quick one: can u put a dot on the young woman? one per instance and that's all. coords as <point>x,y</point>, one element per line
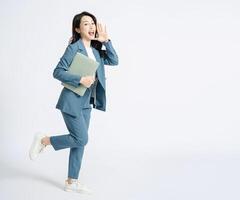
<point>88,36</point>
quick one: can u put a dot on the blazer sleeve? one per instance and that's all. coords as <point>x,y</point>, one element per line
<point>110,56</point>
<point>61,71</point>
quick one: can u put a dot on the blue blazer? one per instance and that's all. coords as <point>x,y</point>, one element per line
<point>70,102</point>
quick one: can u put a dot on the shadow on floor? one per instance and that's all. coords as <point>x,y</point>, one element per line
<point>13,172</point>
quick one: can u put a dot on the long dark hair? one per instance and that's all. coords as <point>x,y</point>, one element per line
<point>76,24</point>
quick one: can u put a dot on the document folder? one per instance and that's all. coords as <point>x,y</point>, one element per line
<point>83,66</point>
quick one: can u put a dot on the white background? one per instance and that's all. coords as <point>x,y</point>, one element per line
<point>171,130</point>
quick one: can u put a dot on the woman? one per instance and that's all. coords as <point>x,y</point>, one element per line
<point>88,36</point>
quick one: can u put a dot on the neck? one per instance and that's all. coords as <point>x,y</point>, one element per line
<point>87,43</point>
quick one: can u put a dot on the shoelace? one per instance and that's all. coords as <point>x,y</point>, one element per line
<point>78,183</point>
<point>42,148</point>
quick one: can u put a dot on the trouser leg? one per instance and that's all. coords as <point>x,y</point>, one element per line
<point>76,153</point>
<point>75,140</point>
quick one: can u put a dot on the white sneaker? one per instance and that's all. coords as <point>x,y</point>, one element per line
<point>76,186</point>
<point>36,147</point>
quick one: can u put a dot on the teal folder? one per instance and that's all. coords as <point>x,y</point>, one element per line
<point>83,66</point>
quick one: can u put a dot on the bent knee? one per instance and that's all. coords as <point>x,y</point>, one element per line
<point>81,141</point>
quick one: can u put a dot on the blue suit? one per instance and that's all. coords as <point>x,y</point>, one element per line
<point>70,102</point>
<point>76,109</point>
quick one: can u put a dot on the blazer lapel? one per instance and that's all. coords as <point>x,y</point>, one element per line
<point>96,54</point>
<point>82,48</point>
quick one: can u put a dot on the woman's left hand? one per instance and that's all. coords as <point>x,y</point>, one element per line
<point>102,33</point>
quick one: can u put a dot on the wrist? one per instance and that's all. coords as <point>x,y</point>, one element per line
<point>107,40</point>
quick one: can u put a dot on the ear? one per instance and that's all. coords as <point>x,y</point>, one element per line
<point>77,30</point>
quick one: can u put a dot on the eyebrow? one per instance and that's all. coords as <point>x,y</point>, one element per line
<point>88,21</point>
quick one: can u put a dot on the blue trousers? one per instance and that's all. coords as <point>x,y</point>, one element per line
<point>75,140</point>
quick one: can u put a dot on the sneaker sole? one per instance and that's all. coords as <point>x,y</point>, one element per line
<point>78,191</point>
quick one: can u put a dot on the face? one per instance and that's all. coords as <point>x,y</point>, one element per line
<point>87,28</point>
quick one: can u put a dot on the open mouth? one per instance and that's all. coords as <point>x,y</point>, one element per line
<point>91,33</point>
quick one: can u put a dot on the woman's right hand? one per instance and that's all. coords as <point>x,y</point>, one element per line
<point>87,81</point>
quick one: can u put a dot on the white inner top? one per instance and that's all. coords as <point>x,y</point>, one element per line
<point>90,53</point>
